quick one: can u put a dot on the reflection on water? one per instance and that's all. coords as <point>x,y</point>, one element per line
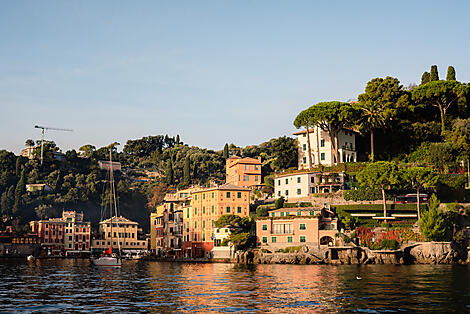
<point>76,285</point>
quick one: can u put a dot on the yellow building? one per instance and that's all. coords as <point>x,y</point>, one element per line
<point>122,229</point>
<point>207,206</point>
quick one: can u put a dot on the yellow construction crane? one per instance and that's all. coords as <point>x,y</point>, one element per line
<point>44,128</point>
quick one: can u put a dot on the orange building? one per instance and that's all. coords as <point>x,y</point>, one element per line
<point>244,172</point>
<point>206,207</point>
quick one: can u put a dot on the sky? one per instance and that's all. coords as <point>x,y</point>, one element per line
<point>214,72</point>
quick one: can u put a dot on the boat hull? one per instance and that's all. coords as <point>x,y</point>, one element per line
<point>107,261</point>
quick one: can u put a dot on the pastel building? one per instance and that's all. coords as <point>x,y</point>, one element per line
<point>243,172</point>
<point>302,185</point>
<point>295,227</point>
<point>120,229</point>
<point>208,205</point>
<point>321,150</point>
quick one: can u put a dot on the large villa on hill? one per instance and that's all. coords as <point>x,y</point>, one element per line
<point>320,146</point>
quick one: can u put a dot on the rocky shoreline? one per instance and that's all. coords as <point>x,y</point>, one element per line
<point>412,253</point>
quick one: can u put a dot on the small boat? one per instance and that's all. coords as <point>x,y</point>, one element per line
<point>109,259</point>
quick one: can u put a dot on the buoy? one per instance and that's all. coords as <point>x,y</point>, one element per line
<point>358,278</point>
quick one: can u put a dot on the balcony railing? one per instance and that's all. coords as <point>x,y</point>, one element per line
<point>282,232</point>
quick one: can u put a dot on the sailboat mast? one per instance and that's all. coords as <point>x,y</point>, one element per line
<point>113,191</point>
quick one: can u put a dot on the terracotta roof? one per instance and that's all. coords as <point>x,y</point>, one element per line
<point>297,209</point>
<point>119,219</point>
<point>223,187</point>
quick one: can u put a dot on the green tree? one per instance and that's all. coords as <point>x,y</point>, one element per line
<point>186,172</point>
<point>450,74</point>
<point>425,78</point>
<point>169,175</point>
<point>5,203</point>
<point>87,150</point>
<point>284,152</point>
<point>432,224</point>
<point>381,174</point>
<point>306,119</point>
<point>332,117</point>
<point>459,138</point>
<point>226,153</point>
<point>29,143</point>
<point>279,203</point>
<point>19,191</point>
<point>420,178</point>
<point>381,102</point>
<point>177,139</point>
<point>440,94</point>
<point>434,76</point>
<point>242,230</point>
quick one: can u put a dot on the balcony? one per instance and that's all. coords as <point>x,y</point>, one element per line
<point>348,147</point>
<point>282,232</point>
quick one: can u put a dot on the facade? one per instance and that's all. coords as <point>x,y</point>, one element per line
<point>299,185</point>
<point>243,172</point>
<point>296,227</point>
<point>28,152</point>
<point>320,146</point>
<point>206,207</point>
<point>68,234</point>
<point>106,165</point>
<point>121,229</point>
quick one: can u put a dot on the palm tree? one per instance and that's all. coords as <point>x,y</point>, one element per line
<point>372,116</point>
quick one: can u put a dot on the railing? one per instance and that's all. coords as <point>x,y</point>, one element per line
<point>348,147</point>
<point>282,232</point>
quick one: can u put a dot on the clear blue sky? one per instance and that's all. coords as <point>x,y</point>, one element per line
<point>211,71</point>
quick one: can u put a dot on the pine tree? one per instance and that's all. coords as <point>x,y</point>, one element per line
<point>186,172</point>
<point>450,74</point>
<point>226,151</point>
<point>434,76</point>
<point>425,78</point>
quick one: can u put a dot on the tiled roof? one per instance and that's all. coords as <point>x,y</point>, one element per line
<point>224,187</point>
<point>119,219</point>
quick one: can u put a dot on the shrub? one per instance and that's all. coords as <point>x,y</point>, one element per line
<point>279,203</point>
<point>389,244</point>
<point>454,207</point>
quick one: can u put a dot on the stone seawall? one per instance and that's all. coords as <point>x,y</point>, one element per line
<point>414,253</point>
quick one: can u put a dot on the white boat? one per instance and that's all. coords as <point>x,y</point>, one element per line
<point>109,259</point>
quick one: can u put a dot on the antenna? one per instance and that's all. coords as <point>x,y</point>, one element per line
<point>44,128</point>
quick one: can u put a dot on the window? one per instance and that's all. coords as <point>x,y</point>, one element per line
<point>195,197</point>
<point>195,224</point>
<point>312,213</point>
<point>247,167</point>
<point>273,239</point>
<point>246,178</point>
<point>298,179</point>
<point>239,210</point>
<point>289,239</point>
<point>273,214</point>
<point>287,192</point>
<point>322,143</point>
<point>204,196</point>
<point>282,214</point>
<point>256,178</point>
<point>287,181</point>
<point>278,193</point>
<point>203,237</point>
<point>278,182</point>
<point>304,147</point>
<point>187,213</point>
<point>322,156</point>
<point>203,224</point>
<point>304,160</point>
<point>228,194</point>
<point>265,227</point>
<point>228,209</point>
<point>299,213</point>
<point>256,167</point>
<point>212,208</point>
<point>299,191</point>
<point>302,227</point>
<point>239,194</point>
<point>195,210</point>
<point>265,239</point>
<point>304,135</point>
<point>302,238</point>
<point>212,194</point>
<point>203,209</point>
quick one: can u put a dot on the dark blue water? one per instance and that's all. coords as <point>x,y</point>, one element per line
<point>77,286</point>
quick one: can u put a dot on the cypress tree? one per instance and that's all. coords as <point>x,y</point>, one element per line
<point>177,139</point>
<point>434,74</point>
<point>170,180</point>
<point>450,73</point>
<point>19,191</point>
<point>425,78</point>
<point>18,165</point>
<point>186,172</point>
<point>4,203</point>
<point>226,152</point>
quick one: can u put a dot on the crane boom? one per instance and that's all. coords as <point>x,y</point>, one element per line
<point>49,128</point>
<point>44,128</point>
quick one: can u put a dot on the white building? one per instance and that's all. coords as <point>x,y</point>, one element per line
<point>299,185</point>
<point>320,146</point>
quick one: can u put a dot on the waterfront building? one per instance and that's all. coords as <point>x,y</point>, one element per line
<point>156,230</point>
<point>125,230</point>
<point>287,227</point>
<point>15,245</point>
<point>321,150</point>
<point>243,172</point>
<point>208,205</point>
<point>68,234</point>
<point>300,185</point>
